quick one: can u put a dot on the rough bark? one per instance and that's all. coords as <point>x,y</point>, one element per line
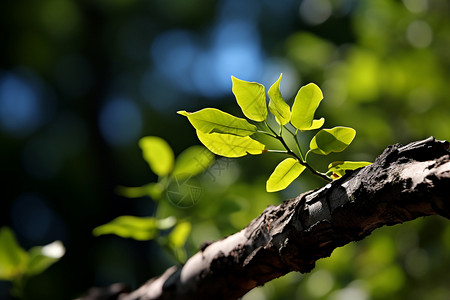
<point>404,183</point>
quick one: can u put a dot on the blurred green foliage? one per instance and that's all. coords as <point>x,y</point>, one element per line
<point>18,265</point>
<point>82,81</point>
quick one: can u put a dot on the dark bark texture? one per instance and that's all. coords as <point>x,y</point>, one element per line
<point>404,183</point>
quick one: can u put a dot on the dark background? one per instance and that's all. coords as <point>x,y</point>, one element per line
<point>82,81</point>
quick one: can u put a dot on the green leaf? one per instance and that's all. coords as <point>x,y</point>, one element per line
<point>283,175</point>
<point>42,257</point>
<point>153,190</point>
<point>277,106</point>
<point>158,154</point>
<point>305,105</point>
<point>213,120</point>
<point>141,229</point>
<point>176,240</point>
<point>332,140</point>
<point>230,145</point>
<point>178,236</point>
<point>192,161</point>
<point>338,168</point>
<point>13,258</point>
<point>251,97</point>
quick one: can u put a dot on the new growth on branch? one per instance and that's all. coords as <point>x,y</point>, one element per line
<point>230,136</point>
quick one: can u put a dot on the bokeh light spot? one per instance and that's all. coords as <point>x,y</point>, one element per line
<point>174,53</point>
<point>319,283</point>
<point>31,217</point>
<point>315,12</point>
<point>232,49</point>
<point>236,51</point>
<point>120,122</point>
<point>419,34</point>
<point>416,6</point>
<point>20,110</point>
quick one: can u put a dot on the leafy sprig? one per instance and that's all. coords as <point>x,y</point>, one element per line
<point>169,232</point>
<point>230,136</point>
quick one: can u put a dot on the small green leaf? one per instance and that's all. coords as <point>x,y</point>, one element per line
<point>305,105</point>
<point>192,161</point>
<point>176,240</point>
<point>42,257</point>
<point>13,258</point>
<point>316,124</point>
<point>277,106</point>
<point>153,190</point>
<point>251,97</point>
<point>141,229</point>
<point>213,120</point>
<point>332,140</point>
<point>283,175</point>
<point>158,154</point>
<point>338,168</point>
<point>230,145</point>
<point>178,236</point>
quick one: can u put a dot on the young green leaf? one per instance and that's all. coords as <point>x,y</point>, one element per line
<point>332,140</point>
<point>277,106</point>
<point>305,105</point>
<point>192,161</point>
<point>230,145</point>
<point>42,257</point>
<point>178,236</point>
<point>152,189</point>
<point>251,97</point>
<point>338,168</point>
<point>13,258</point>
<point>213,120</point>
<point>283,175</point>
<point>137,228</point>
<point>158,154</point>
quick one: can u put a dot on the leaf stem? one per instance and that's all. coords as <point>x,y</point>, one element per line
<point>266,133</point>
<point>278,151</point>
<point>306,155</point>
<point>304,163</point>
<point>294,135</point>
<point>293,154</point>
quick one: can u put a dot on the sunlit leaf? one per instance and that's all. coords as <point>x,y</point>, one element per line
<point>42,257</point>
<point>192,161</point>
<point>230,145</point>
<point>13,258</point>
<point>138,228</point>
<point>158,154</point>
<point>283,175</point>
<point>153,190</point>
<point>338,168</point>
<point>332,140</point>
<point>277,106</point>
<point>213,120</point>
<point>251,97</point>
<point>305,105</point>
<point>316,124</point>
<point>178,236</point>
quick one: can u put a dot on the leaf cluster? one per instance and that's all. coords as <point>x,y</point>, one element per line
<point>231,136</point>
<point>171,233</point>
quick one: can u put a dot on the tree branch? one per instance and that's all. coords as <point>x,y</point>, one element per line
<point>403,183</point>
